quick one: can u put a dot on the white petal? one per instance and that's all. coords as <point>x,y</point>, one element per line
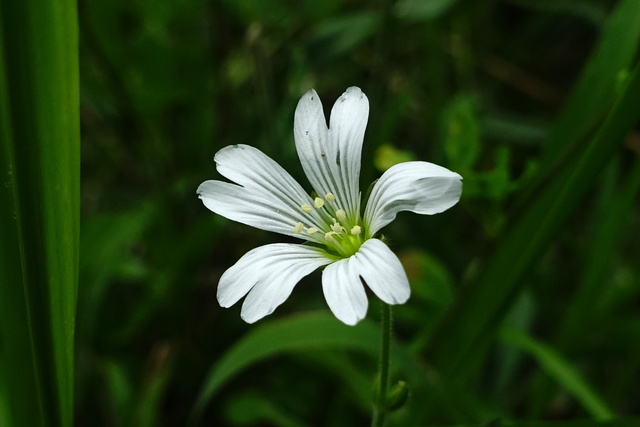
<point>419,187</point>
<point>251,208</point>
<point>268,273</point>
<point>382,272</point>
<point>331,158</point>
<point>344,292</point>
<point>348,122</point>
<point>267,197</point>
<point>247,166</point>
<point>313,144</point>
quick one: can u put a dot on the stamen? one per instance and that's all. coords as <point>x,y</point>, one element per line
<point>334,223</point>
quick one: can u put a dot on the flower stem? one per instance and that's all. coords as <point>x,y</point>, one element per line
<point>380,408</point>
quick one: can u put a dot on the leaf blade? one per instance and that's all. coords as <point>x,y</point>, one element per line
<point>459,342</point>
<point>40,151</point>
<point>562,371</point>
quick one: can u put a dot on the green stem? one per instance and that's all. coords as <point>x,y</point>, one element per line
<point>380,409</point>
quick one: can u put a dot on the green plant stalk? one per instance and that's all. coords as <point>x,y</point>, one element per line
<point>380,408</point>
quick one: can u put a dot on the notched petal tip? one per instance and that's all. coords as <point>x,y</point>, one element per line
<point>309,115</point>
<point>356,96</point>
<point>310,100</point>
<point>311,94</point>
<point>354,91</point>
<point>350,114</point>
<point>203,189</point>
<point>227,153</point>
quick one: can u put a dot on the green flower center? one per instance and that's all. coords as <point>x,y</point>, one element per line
<point>340,232</point>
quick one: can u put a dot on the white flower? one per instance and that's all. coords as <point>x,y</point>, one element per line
<point>337,235</point>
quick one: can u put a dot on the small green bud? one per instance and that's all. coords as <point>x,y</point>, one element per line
<point>397,396</point>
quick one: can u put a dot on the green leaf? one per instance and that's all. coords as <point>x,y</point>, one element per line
<point>322,331</point>
<point>609,231</point>
<point>317,330</point>
<point>576,328</point>
<point>561,371</point>
<point>459,344</point>
<point>39,209</point>
<point>596,88</point>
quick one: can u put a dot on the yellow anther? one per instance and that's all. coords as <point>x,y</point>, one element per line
<point>306,208</point>
<point>318,202</point>
<point>312,230</point>
<point>298,228</point>
<point>329,236</point>
<point>356,230</point>
<point>337,228</point>
<point>342,215</point>
<point>330,197</point>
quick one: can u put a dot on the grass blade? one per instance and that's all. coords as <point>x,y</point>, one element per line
<point>39,208</point>
<point>596,88</point>
<point>560,370</point>
<point>608,234</point>
<point>458,346</point>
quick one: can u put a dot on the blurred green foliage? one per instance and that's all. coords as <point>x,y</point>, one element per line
<point>525,295</point>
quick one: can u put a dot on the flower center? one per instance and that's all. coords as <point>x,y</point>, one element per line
<point>339,232</point>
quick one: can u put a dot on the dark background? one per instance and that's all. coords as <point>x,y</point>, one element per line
<point>480,87</point>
